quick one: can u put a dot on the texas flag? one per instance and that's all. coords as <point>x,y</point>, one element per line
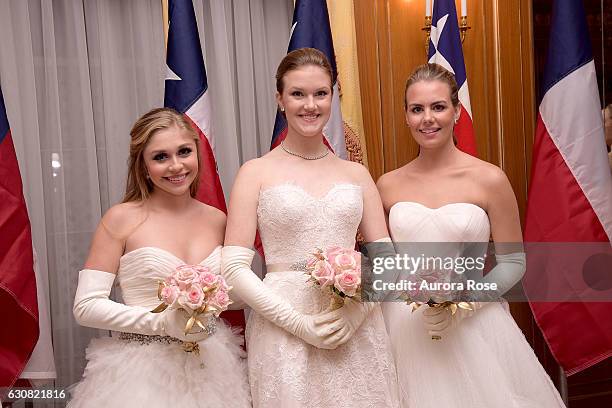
<point>186,91</point>
<point>311,29</point>
<point>570,193</point>
<point>18,302</point>
<point>445,49</point>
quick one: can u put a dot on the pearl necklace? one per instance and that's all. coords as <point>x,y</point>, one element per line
<point>320,156</point>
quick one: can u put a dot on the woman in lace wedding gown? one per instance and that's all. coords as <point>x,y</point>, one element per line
<point>446,196</point>
<point>302,198</point>
<point>150,362</point>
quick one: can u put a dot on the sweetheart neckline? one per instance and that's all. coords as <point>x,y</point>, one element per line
<point>437,208</point>
<point>306,192</point>
<point>216,249</point>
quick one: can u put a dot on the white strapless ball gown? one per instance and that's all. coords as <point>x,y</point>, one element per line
<point>122,373</point>
<point>284,371</point>
<point>484,360</point>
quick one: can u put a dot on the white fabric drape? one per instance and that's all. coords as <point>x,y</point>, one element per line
<point>75,76</point>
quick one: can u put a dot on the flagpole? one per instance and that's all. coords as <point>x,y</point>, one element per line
<point>563,385</point>
<point>165,21</point>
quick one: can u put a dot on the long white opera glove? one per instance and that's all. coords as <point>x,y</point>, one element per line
<point>237,272</point>
<point>508,272</point>
<point>93,308</point>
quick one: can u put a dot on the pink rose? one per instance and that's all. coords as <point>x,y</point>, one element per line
<point>220,299</point>
<point>323,273</point>
<point>344,259</point>
<point>332,252</point>
<point>208,279</point>
<point>169,294</point>
<point>348,282</point>
<point>222,284</point>
<point>185,275</point>
<point>192,298</point>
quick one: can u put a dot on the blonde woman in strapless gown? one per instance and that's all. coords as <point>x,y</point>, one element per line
<point>302,197</point>
<point>159,226</point>
<point>482,359</point>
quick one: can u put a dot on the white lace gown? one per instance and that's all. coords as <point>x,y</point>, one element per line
<point>123,373</point>
<point>484,360</point>
<point>284,371</point>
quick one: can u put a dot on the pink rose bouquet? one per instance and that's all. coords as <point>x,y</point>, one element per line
<point>338,269</point>
<point>197,291</point>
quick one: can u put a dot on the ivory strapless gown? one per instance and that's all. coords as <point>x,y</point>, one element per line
<point>284,371</point>
<point>122,373</point>
<point>484,360</point>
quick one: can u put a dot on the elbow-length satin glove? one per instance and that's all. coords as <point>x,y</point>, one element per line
<point>508,272</point>
<point>93,308</point>
<point>314,329</point>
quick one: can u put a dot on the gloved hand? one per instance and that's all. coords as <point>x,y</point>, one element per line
<point>436,319</point>
<point>93,308</point>
<point>174,322</point>
<point>317,330</point>
<point>347,320</point>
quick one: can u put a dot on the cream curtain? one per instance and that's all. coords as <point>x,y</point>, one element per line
<point>75,75</point>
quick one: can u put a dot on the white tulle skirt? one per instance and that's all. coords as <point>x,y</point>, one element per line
<point>122,373</point>
<point>286,372</point>
<point>483,361</point>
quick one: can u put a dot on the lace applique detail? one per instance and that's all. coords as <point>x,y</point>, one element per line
<point>292,222</point>
<point>284,371</point>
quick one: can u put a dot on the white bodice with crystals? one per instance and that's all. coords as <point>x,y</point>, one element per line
<point>140,271</point>
<point>293,223</point>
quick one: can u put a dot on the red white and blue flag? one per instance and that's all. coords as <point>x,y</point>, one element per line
<point>445,49</point>
<point>186,91</point>
<point>570,192</point>
<point>311,29</point>
<point>18,301</point>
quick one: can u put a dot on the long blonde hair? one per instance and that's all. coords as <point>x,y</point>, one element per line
<point>139,187</point>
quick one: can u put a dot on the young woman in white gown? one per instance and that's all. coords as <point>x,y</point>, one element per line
<point>445,195</point>
<point>302,197</point>
<point>158,226</point>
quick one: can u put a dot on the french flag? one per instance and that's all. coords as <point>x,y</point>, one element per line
<point>311,29</point>
<point>186,91</point>
<point>445,49</point>
<point>18,302</point>
<point>570,193</point>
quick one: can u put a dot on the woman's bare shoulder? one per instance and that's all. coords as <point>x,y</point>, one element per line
<point>122,219</point>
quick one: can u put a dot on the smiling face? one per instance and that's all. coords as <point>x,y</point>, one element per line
<point>171,160</point>
<point>430,114</point>
<point>306,98</point>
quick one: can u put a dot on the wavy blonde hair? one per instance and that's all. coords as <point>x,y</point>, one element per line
<point>139,187</point>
